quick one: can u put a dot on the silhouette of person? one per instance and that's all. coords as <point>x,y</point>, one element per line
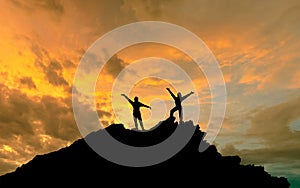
<point>136,110</point>
<point>178,99</point>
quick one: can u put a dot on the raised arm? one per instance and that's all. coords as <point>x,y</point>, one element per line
<point>187,95</point>
<point>172,94</point>
<point>129,100</point>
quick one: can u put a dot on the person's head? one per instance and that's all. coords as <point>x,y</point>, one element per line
<point>179,94</point>
<point>136,99</point>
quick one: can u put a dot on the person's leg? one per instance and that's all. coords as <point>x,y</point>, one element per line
<point>141,123</point>
<point>180,114</point>
<point>135,122</point>
<point>139,117</point>
<point>172,111</point>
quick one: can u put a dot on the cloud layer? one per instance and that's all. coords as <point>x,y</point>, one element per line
<point>255,42</point>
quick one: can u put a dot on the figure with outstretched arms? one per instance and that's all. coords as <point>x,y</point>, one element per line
<point>136,104</point>
<point>178,100</point>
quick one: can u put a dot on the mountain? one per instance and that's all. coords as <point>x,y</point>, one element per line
<point>78,164</point>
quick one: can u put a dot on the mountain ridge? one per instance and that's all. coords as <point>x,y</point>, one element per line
<point>78,163</point>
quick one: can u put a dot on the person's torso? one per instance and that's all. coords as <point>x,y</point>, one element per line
<point>177,101</point>
<point>136,107</point>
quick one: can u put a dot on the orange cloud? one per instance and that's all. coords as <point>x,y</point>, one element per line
<point>42,43</point>
<point>295,84</point>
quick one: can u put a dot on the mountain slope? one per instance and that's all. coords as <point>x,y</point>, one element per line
<point>79,164</point>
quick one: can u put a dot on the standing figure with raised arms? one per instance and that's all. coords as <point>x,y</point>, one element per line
<point>136,104</point>
<point>178,99</point>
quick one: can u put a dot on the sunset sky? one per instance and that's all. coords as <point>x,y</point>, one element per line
<point>255,42</point>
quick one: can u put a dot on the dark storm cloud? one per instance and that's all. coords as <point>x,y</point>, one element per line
<point>114,66</point>
<point>85,115</point>
<point>55,65</point>
<point>273,124</point>
<point>54,74</point>
<point>58,118</point>
<point>89,62</point>
<point>48,5</point>
<point>31,126</point>
<point>18,112</point>
<point>40,52</point>
<point>102,113</point>
<point>51,67</point>
<point>105,15</point>
<point>55,78</point>
<point>28,82</point>
<point>15,113</point>
<point>286,24</point>
<point>205,12</point>
<point>69,64</point>
<point>264,155</point>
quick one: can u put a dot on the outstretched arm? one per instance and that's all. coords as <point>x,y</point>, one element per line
<point>145,105</point>
<point>187,95</point>
<point>172,94</point>
<point>129,100</point>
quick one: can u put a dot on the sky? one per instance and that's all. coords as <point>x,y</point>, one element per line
<point>256,44</point>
